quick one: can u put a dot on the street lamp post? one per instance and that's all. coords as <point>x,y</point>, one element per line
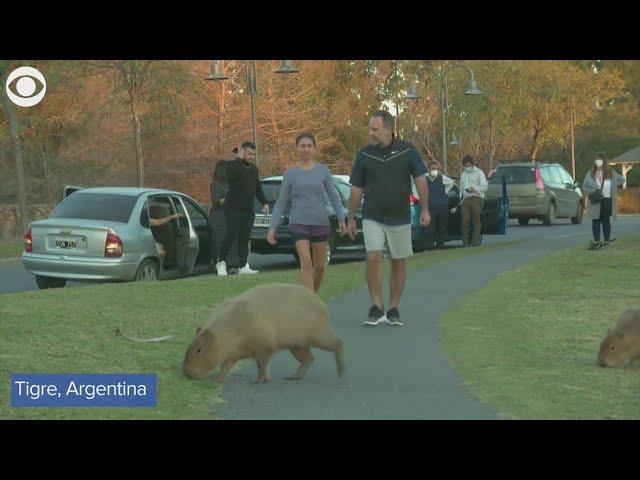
<point>286,66</point>
<point>441,75</point>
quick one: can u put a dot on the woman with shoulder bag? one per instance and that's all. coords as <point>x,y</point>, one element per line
<point>601,186</point>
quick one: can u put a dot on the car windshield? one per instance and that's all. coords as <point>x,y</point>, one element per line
<point>96,206</point>
<point>513,175</point>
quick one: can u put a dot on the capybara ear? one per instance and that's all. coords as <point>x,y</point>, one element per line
<point>198,330</point>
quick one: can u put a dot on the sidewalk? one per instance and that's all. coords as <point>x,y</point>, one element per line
<point>392,372</point>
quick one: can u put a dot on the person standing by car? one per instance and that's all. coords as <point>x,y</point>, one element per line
<point>306,185</point>
<point>473,186</point>
<point>601,185</point>
<point>383,171</point>
<point>244,185</point>
<point>439,187</point>
<point>219,190</point>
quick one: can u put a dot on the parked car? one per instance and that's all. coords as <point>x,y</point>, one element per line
<point>542,191</point>
<point>492,217</point>
<point>103,234</point>
<point>336,244</point>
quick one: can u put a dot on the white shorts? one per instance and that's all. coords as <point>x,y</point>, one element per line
<point>398,238</point>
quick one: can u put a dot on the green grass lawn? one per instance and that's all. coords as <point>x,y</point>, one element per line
<point>527,343</point>
<point>11,247</point>
<point>71,330</point>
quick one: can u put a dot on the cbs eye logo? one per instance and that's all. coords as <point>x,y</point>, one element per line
<point>26,86</point>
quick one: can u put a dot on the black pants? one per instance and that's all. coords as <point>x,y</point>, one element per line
<point>604,220</point>
<point>437,229</point>
<point>239,223</point>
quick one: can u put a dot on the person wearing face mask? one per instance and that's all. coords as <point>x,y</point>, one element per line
<point>439,186</point>
<point>601,186</point>
<point>473,186</point>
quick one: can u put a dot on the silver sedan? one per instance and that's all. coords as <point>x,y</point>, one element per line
<point>104,234</point>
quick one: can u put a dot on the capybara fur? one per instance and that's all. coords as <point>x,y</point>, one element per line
<point>258,323</point>
<point>621,346</point>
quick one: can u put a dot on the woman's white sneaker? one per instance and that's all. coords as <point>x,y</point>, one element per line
<point>246,270</point>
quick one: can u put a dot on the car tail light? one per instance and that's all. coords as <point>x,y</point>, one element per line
<point>539,181</point>
<point>413,200</point>
<point>28,241</point>
<point>113,245</point>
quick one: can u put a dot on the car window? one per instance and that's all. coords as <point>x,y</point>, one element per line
<point>198,219</point>
<point>345,190</point>
<point>513,175</point>
<point>546,175</point>
<point>271,189</point>
<point>566,176</point>
<point>555,175</point>
<point>96,206</point>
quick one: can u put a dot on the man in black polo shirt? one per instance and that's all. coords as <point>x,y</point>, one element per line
<point>243,178</point>
<point>383,171</point>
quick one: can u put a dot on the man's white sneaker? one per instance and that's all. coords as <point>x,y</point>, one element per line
<point>246,270</point>
<point>221,269</point>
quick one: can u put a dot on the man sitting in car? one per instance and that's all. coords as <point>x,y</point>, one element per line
<point>157,222</point>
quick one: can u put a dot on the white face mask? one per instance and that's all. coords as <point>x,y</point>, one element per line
<point>599,163</point>
<point>468,169</point>
<point>433,173</point>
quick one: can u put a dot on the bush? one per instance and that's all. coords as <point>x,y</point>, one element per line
<point>629,200</point>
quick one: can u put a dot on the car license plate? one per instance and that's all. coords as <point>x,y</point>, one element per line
<point>262,221</point>
<point>66,244</point>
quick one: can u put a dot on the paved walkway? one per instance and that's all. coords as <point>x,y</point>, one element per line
<point>393,372</point>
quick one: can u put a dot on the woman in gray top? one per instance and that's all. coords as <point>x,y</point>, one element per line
<point>306,185</point>
<point>603,178</point>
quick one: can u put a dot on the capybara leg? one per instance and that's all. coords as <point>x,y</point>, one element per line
<point>224,370</point>
<point>262,362</point>
<point>303,355</point>
<point>333,344</point>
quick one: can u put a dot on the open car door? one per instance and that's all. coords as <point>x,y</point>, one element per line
<point>187,244</point>
<point>495,213</point>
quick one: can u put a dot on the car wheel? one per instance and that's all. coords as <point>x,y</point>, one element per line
<point>550,217</point>
<point>523,221</point>
<point>579,214</point>
<point>147,271</point>
<point>48,282</point>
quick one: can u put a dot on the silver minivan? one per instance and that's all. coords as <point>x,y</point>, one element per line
<point>542,191</point>
<point>103,234</point>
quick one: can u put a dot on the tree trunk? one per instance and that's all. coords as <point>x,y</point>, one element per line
<point>535,146</point>
<point>492,142</point>
<point>17,150</point>
<point>137,139</point>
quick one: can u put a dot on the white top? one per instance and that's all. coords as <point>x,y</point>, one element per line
<point>606,189</point>
<point>475,178</point>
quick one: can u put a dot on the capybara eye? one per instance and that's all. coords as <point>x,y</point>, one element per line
<point>199,350</point>
<point>613,347</point>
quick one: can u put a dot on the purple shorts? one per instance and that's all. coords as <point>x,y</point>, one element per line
<point>313,233</point>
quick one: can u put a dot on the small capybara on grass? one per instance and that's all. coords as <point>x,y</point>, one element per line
<point>258,323</point>
<point>621,346</point>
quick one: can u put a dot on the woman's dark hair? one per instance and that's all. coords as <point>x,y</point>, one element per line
<point>468,159</point>
<point>250,145</point>
<point>606,171</point>
<point>305,135</point>
<point>234,150</point>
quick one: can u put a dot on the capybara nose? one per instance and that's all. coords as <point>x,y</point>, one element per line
<point>601,363</point>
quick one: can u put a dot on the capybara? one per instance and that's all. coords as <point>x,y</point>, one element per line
<point>621,346</point>
<point>258,323</point>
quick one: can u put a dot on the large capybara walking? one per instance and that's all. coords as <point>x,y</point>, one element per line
<point>621,346</point>
<point>258,323</point>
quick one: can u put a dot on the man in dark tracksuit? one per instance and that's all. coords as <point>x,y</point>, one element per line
<point>244,185</point>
